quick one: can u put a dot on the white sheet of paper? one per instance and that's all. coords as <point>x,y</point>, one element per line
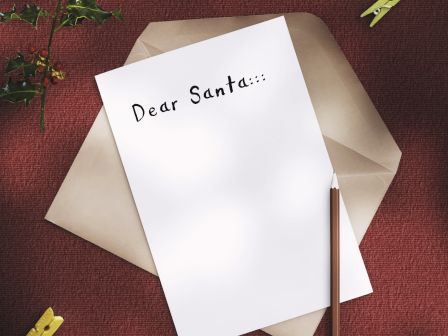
<point>247,170</point>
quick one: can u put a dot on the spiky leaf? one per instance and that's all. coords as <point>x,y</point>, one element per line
<point>15,63</point>
<point>30,13</point>
<point>77,11</point>
<point>17,91</point>
<point>9,16</point>
<point>19,62</point>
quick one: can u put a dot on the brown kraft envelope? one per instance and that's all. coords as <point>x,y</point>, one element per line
<point>95,202</point>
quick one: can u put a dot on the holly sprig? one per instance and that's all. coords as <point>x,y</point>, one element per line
<point>30,75</point>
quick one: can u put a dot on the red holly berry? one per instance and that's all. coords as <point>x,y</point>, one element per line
<point>40,68</point>
<point>46,82</point>
<point>32,50</point>
<point>44,53</point>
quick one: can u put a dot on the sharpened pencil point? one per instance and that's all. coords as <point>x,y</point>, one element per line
<point>334,182</point>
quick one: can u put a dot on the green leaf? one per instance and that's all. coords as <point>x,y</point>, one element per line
<point>19,62</point>
<point>77,11</point>
<point>30,13</point>
<point>22,90</point>
<point>9,16</point>
<point>15,63</point>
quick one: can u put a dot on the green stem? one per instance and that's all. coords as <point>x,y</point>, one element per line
<point>47,62</point>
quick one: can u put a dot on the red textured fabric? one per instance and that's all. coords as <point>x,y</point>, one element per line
<point>403,64</point>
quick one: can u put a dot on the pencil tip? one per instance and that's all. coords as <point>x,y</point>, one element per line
<point>334,182</point>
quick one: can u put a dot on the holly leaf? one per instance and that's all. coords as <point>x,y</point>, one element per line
<point>15,63</point>
<point>18,91</point>
<point>77,11</point>
<point>30,13</point>
<point>19,62</point>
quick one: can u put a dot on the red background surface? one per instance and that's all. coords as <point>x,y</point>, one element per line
<point>403,64</point>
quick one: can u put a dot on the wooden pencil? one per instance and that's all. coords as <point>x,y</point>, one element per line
<point>334,224</point>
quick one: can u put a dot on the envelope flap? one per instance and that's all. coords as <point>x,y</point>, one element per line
<point>344,110</point>
<point>186,32</point>
<point>139,52</point>
<point>348,162</point>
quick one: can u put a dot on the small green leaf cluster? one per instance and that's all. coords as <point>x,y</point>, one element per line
<point>28,77</point>
<point>76,11</point>
<point>30,13</point>
<point>20,86</point>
